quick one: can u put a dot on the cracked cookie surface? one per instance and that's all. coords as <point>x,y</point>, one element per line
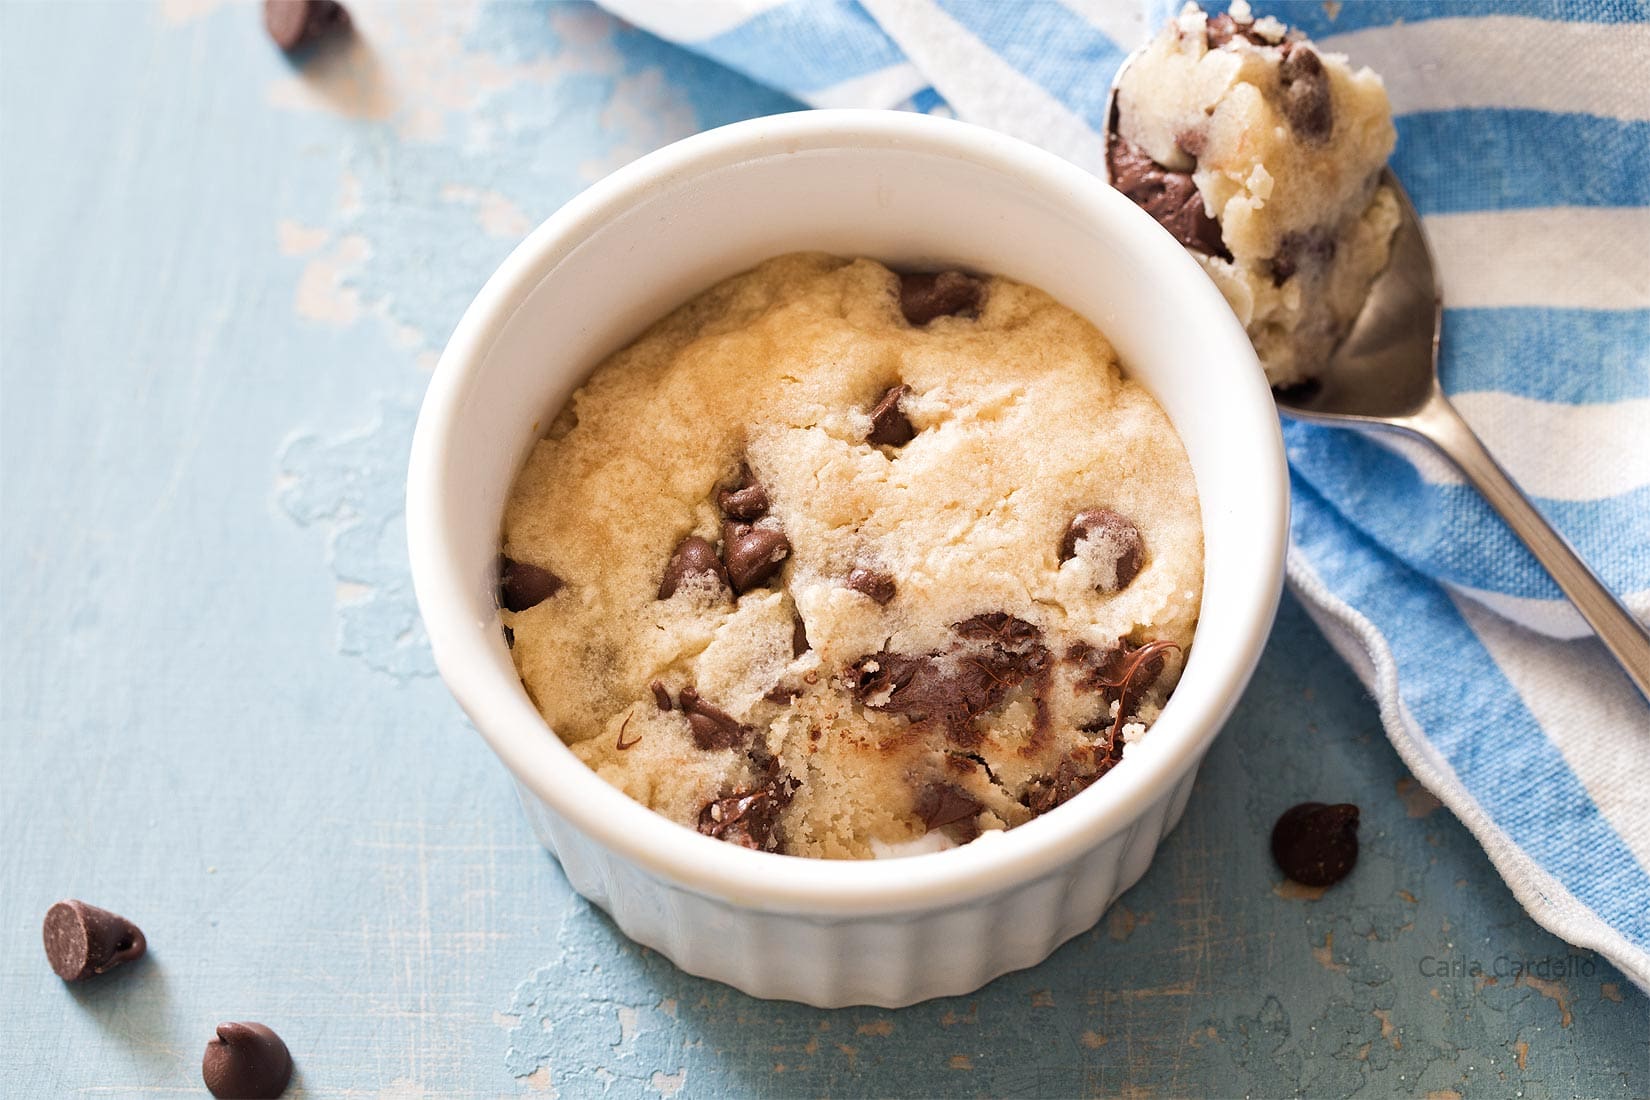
<point>832,559</point>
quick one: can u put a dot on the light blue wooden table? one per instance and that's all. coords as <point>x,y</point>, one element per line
<point>224,284</point>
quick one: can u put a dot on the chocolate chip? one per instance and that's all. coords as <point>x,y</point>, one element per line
<point>1315,844</point>
<point>661,694</point>
<point>247,1062</point>
<point>745,500</point>
<point>950,688</point>
<point>940,804</point>
<point>923,297</point>
<point>1114,547</point>
<point>1223,28</point>
<point>869,582</point>
<point>1071,777</point>
<point>904,683</point>
<point>889,425</point>
<point>753,554</point>
<point>521,585</point>
<point>1123,668</point>
<point>999,627</point>
<point>1168,196</point>
<point>1192,142</point>
<point>1312,248</point>
<point>750,816</point>
<point>712,727</point>
<point>1306,101</point>
<point>1121,674</point>
<point>693,557</point>
<point>295,23</point>
<point>82,940</point>
<point>799,636</point>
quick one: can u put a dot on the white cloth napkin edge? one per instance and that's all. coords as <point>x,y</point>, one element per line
<point>1546,900</point>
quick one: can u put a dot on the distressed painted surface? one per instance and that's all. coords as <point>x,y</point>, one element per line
<point>224,283</point>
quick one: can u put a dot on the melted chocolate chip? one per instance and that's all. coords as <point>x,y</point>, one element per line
<point>1111,536</point>
<point>246,1061</point>
<point>661,694</point>
<point>1223,28</point>
<point>753,554</point>
<point>889,425</point>
<point>799,636</point>
<point>904,683</point>
<point>940,804</point>
<point>923,297</point>
<point>1168,196</point>
<point>521,585</point>
<point>1306,100</point>
<point>951,688</point>
<point>296,23</point>
<point>1315,844</point>
<point>712,727</point>
<point>869,582</point>
<point>745,500</point>
<point>693,557</point>
<point>1074,775</point>
<point>1312,248</point>
<point>83,941</point>
<point>1121,674</point>
<point>999,627</point>
<point>1122,666</point>
<point>750,816</point>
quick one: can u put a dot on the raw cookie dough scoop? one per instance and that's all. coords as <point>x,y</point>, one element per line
<point>1383,376</point>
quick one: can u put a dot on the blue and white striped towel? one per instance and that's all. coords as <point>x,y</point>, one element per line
<point>1524,139</point>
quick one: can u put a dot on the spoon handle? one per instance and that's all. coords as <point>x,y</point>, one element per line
<point>1624,636</point>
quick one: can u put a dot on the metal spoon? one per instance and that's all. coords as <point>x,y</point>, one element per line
<point>1384,377</point>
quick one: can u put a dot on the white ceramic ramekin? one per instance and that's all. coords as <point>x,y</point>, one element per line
<point>908,190</point>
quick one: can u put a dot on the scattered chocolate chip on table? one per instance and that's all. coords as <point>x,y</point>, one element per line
<point>246,1061</point>
<point>296,23</point>
<point>83,941</point>
<point>1316,844</point>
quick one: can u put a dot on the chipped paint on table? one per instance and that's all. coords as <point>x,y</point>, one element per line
<point>225,281</point>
